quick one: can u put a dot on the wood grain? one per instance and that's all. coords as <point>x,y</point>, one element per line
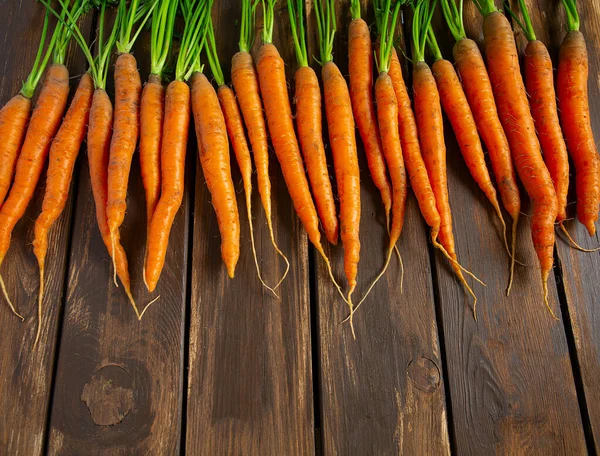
<point>511,384</point>
<point>580,271</point>
<point>250,380</point>
<point>119,381</point>
<point>26,376</point>
<point>384,392</point>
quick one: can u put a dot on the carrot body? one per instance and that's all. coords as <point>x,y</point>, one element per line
<point>152,111</point>
<point>128,88</point>
<point>574,107</point>
<point>387,114</point>
<point>461,118</point>
<point>245,83</point>
<point>213,145</point>
<point>411,150</point>
<point>45,121</point>
<point>310,135</point>
<point>342,138</point>
<point>515,115</point>
<point>478,90</point>
<point>360,67</point>
<point>172,163</point>
<point>539,81</point>
<point>98,141</point>
<point>63,153</point>
<point>271,76</point>
<point>13,124</point>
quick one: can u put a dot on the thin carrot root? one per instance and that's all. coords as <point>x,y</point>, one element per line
<point>545,286</point>
<point>112,243</point>
<point>10,304</point>
<point>401,269</point>
<point>514,248</point>
<point>249,210</point>
<point>379,276</point>
<point>573,243</point>
<point>499,212</point>
<point>456,263</point>
<point>330,271</point>
<point>133,304</point>
<point>148,305</point>
<point>39,308</point>
<point>351,312</point>
<point>282,255</point>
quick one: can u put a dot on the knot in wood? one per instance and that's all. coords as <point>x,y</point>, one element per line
<point>108,395</point>
<point>425,374</point>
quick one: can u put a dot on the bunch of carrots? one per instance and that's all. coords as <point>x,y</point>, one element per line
<point>487,102</point>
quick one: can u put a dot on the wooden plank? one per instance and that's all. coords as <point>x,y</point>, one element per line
<point>580,271</point>
<point>250,381</point>
<point>382,393</point>
<point>511,384</point>
<point>119,381</point>
<point>26,383</point>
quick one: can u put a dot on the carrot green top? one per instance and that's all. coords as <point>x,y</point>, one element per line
<point>326,28</point>
<point>161,34</point>
<point>138,11</point>
<point>386,19</point>
<point>454,18</point>
<point>485,7</point>
<point>57,46</point>
<point>210,46</point>
<point>247,22</point>
<point>196,14</point>
<point>423,12</point>
<point>433,45</point>
<point>526,24</point>
<point>572,15</point>
<point>296,12</point>
<point>355,9</point>
<point>269,18</point>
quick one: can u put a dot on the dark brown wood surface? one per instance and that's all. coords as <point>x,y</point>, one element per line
<point>220,366</point>
<point>26,375</point>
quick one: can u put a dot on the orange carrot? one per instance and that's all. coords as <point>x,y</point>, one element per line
<point>63,153</point>
<point>513,110</point>
<point>245,83</point>
<point>360,67</point>
<point>573,102</point>
<point>309,125</point>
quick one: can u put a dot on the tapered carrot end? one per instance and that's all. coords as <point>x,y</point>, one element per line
<point>512,254</point>
<point>546,302</point>
<point>572,242</point>
<point>258,273</point>
<point>332,237</point>
<point>231,271</point>
<point>351,312</point>
<point>10,304</point>
<point>591,227</point>
<point>39,308</point>
<point>112,254</point>
<point>147,306</point>
<point>280,253</point>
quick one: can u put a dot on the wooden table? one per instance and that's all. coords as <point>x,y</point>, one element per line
<point>219,366</point>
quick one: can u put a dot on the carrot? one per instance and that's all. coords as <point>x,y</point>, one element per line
<point>237,137</point>
<point>152,103</point>
<point>574,108</point>
<point>309,125</point>
<point>45,121</point>
<point>271,77</point>
<point>245,83</point>
<point>128,88</point>
<point>513,110</point>
<point>478,91</point>
<point>428,114</point>
<point>342,138</point>
<point>360,67</point>
<point>387,115</point>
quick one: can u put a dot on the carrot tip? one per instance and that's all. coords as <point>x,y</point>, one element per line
<point>14,311</point>
<point>148,305</point>
<point>112,242</point>
<point>572,242</point>
<point>39,305</point>
<point>280,253</point>
<point>248,206</point>
<point>546,301</point>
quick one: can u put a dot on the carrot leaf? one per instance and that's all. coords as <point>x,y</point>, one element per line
<point>138,12</point>
<point>355,9</point>
<point>212,54</point>
<point>485,7</point>
<point>196,15</point>
<point>386,19</point>
<point>423,12</point>
<point>433,45</point>
<point>296,12</point>
<point>268,7</point>
<point>326,28</point>
<point>454,18</point>
<point>572,15</point>
<point>161,34</point>
<point>525,25</point>
<point>247,23</point>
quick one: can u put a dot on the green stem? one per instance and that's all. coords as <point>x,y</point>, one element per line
<point>423,13</point>
<point>433,45</point>
<point>454,18</point>
<point>29,85</point>
<point>132,15</point>
<point>247,24</point>
<point>355,9</point>
<point>269,18</point>
<point>485,7</point>
<point>572,15</point>
<point>326,28</point>
<point>197,16</point>
<point>387,31</point>
<point>296,12</point>
<point>526,26</point>
<point>212,55</point>
<point>163,23</point>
